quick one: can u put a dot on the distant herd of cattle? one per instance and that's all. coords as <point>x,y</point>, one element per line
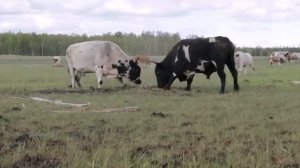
<point>280,57</point>
<point>186,58</point>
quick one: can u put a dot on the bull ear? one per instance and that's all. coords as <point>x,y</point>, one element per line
<point>131,62</point>
<point>137,59</point>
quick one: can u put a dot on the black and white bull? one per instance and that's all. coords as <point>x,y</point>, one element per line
<point>202,55</point>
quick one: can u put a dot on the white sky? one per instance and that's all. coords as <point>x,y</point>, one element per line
<point>246,22</point>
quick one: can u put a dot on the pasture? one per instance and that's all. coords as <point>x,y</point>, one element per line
<point>257,127</point>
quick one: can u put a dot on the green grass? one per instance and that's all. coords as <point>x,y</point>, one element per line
<point>257,127</point>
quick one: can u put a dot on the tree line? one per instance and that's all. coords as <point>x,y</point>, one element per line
<point>146,43</point>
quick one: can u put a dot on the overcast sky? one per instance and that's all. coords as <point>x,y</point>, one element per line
<point>246,22</point>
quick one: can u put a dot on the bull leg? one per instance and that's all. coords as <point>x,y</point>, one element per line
<point>234,75</point>
<point>271,63</point>
<point>99,75</point>
<point>77,78</point>
<point>222,77</point>
<point>240,71</point>
<point>168,85</point>
<point>279,64</point>
<point>252,66</point>
<point>72,76</point>
<point>246,69</point>
<point>189,82</point>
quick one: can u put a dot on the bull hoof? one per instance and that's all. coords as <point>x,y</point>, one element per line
<point>236,88</point>
<point>187,89</point>
<point>69,86</point>
<point>221,92</point>
<point>167,88</point>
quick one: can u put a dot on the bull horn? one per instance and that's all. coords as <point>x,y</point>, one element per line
<point>153,61</point>
<point>137,58</point>
<point>143,59</point>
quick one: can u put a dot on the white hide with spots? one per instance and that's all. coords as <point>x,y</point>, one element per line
<point>294,56</point>
<point>278,57</point>
<point>95,57</point>
<point>57,61</point>
<point>242,61</point>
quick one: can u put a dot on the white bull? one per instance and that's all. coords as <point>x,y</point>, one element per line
<point>242,60</point>
<point>104,58</point>
<point>278,57</point>
<point>294,56</point>
<point>57,62</point>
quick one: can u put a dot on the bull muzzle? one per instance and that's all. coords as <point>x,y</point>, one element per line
<point>137,81</point>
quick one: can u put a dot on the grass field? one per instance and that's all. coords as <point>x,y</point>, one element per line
<point>257,127</point>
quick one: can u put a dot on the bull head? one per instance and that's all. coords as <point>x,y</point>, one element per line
<point>134,72</point>
<point>162,74</point>
<point>122,69</point>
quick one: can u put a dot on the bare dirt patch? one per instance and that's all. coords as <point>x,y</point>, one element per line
<point>23,138</point>
<point>91,90</point>
<point>160,115</point>
<point>147,151</point>
<point>148,89</point>
<point>3,119</point>
<point>37,161</point>
<point>56,144</point>
<point>292,165</point>
<point>186,124</point>
<point>2,146</point>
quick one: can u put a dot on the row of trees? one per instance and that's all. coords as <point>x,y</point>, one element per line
<point>147,43</point>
